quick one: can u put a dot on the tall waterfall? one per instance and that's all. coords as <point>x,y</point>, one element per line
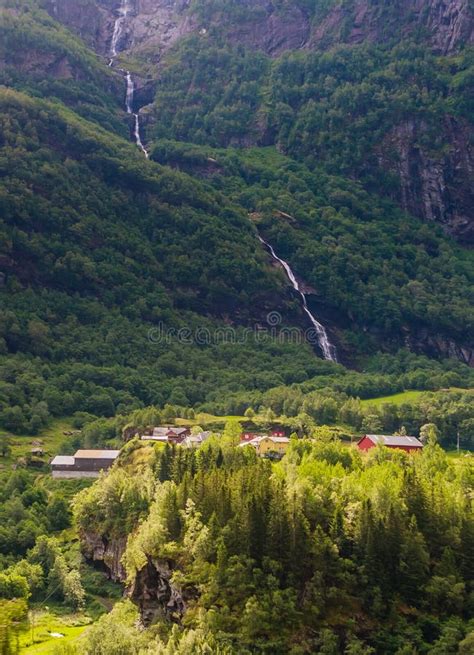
<point>123,12</point>
<point>129,108</point>
<point>327,348</point>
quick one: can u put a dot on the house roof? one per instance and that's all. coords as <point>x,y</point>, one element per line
<point>394,440</point>
<point>200,436</point>
<point>251,442</point>
<point>63,460</point>
<point>279,439</point>
<point>257,440</point>
<point>97,454</point>
<point>168,429</point>
<point>157,432</point>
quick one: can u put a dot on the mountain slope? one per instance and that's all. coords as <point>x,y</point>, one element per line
<point>102,250</point>
<point>276,26</point>
<point>378,274</point>
<point>400,118</point>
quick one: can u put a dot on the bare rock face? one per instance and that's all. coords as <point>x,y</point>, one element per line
<point>90,20</point>
<point>449,24</point>
<point>98,548</point>
<point>437,345</point>
<point>155,594</point>
<point>273,30</point>
<point>156,25</point>
<point>153,26</point>
<point>436,184</point>
<point>152,590</point>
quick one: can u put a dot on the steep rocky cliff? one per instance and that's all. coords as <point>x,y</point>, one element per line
<point>155,594</point>
<point>152,589</point>
<point>445,24</point>
<point>435,183</point>
<point>274,27</point>
<point>92,21</point>
<point>152,25</point>
<point>49,53</point>
<point>108,552</point>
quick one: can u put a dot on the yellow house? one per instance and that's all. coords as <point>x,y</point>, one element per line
<point>266,444</point>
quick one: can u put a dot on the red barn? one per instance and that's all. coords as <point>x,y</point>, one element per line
<point>408,444</point>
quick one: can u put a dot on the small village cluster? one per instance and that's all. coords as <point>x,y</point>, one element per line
<point>272,445</point>
<point>177,436</point>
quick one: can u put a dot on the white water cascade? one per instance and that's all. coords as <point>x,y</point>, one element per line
<point>327,348</point>
<point>129,108</point>
<point>122,14</point>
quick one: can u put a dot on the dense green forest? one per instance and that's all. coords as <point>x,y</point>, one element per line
<point>328,109</point>
<point>326,551</point>
<point>323,553</point>
<point>369,260</point>
<point>101,249</point>
<point>135,292</point>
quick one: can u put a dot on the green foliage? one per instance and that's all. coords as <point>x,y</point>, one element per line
<point>12,615</point>
<point>45,60</point>
<point>147,216</point>
<point>124,499</point>
<point>199,71</point>
<point>27,510</point>
<point>404,274</point>
<point>115,633</point>
<point>106,257</point>
<point>271,560</point>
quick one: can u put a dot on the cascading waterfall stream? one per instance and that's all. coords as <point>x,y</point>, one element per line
<point>129,108</point>
<point>123,12</point>
<point>327,348</point>
<point>118,29</point>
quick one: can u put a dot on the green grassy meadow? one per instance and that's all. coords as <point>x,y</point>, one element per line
<point>51,439</point>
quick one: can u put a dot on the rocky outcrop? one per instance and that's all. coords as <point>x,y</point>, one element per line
<point>154,26</point>
<point>109,553</point>
<point>274,29</point>
<point>154,593</point>
<point>439,346</point>
<point>92,21</point>
<point>436,182</point>
<point>445,24</point>
<point>152,589</point>
<point>450,23</point>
